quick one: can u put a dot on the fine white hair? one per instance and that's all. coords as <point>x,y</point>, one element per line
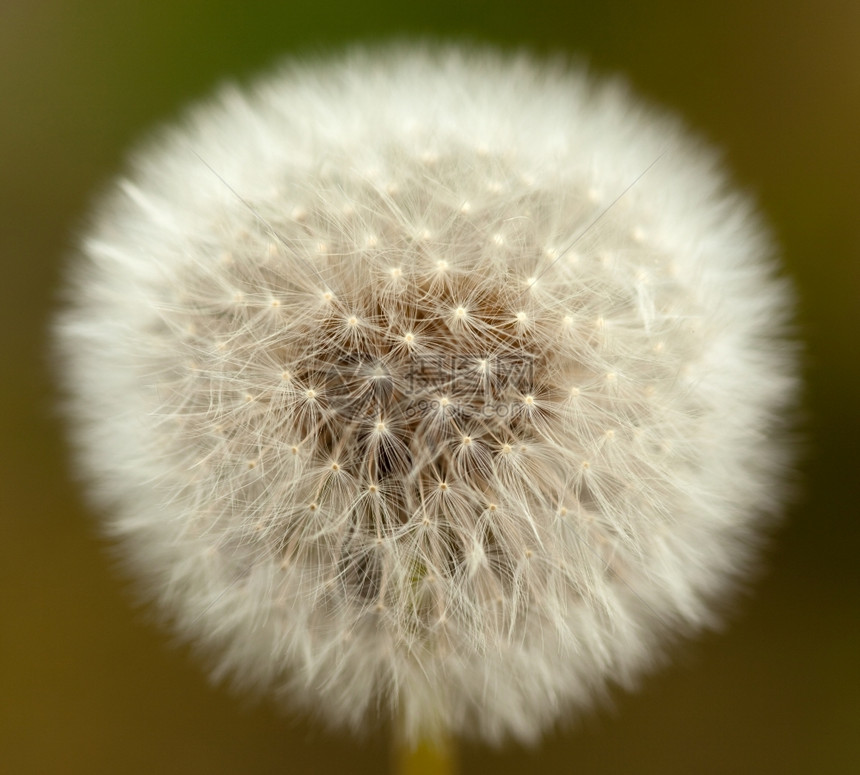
<point>430,380</point>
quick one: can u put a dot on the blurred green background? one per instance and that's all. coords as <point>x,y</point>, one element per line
<point>88,685</point>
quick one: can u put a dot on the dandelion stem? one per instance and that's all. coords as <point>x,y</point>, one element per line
<point>426,757</point>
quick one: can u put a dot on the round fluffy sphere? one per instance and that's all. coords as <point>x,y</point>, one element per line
<point>428,380</point>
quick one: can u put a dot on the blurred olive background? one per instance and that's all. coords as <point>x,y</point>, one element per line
<point>88,685</point>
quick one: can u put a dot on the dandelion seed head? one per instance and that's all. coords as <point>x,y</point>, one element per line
<point>468,433</point>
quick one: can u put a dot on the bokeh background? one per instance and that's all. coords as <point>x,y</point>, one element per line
<point>88,685</point>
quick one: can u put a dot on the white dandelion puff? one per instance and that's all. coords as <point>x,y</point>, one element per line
<point>430,380</point>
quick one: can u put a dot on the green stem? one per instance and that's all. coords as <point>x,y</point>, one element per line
<point>428,757</point>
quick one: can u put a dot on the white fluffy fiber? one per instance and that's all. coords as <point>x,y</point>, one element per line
<point>431,381</point>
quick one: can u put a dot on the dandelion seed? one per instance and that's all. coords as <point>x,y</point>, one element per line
<point>383,525</point>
